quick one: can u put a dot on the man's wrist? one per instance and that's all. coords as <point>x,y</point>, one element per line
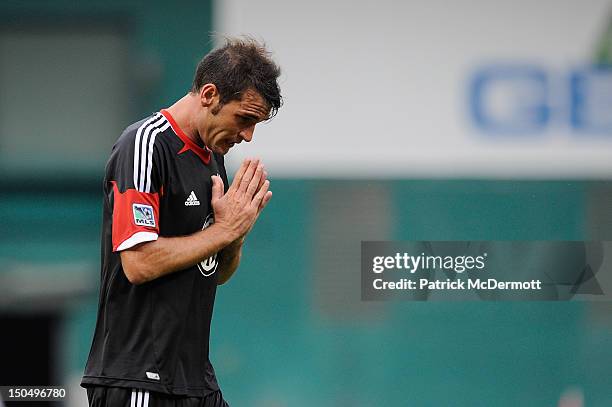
<point>239,241</point>
<point>234,246</point>
<point>223,234</point>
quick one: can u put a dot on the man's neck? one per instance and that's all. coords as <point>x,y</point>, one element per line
<point>183,111</point>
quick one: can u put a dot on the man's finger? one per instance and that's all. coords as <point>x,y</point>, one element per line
<point>265,201</point>
<point>261,194</point>
<point>248,176</point>
<point>263,179</point>
<point>239,174</point>
<point>217,188</point>
<point>255,181</point>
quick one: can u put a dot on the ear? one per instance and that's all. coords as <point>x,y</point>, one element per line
<point>208,94</point>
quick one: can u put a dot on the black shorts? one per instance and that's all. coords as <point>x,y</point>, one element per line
<point>101,396</point>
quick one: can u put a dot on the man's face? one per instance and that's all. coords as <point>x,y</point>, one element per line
<point>233,122</point>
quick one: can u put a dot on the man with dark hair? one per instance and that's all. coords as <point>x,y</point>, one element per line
<point>173,229</point>
<point>233,68</point>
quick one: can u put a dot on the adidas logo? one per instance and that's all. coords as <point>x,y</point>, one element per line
<point>192,200</point>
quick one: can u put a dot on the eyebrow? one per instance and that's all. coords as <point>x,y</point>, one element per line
<point>251,116</point>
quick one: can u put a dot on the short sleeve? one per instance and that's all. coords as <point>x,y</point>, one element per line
<point>135,172</point>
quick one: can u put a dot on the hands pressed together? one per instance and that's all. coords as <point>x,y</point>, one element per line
<point>237,210</point>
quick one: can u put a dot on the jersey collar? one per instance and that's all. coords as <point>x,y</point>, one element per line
<point>203,153</point>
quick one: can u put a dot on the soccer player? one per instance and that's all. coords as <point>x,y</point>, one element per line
<point>172,231</point>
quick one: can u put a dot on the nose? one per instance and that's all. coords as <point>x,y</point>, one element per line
<point>247,134</point>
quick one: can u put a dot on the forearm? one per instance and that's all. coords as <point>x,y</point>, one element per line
<point>166,255</point>
<point>229,259</point>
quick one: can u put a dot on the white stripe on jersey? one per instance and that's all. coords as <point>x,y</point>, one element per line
<point>139,400</point>
<point>133,402</point>
<point>146,181</point>
<point>144,151</point>
<point>146,399</point>
<point>137,147</point>
<point>138,157</point>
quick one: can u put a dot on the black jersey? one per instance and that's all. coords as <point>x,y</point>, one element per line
<point>154,336</point>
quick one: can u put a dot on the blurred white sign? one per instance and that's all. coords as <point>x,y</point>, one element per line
<point>432,89</point>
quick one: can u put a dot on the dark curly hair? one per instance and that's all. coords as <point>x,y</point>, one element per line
<point>240,64</point>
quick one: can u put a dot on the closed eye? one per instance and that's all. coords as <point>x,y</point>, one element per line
<point>247,120</point>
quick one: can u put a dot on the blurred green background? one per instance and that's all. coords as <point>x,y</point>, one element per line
<point>290,328</point>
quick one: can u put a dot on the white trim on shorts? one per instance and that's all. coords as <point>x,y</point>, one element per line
<point>139,399</point>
